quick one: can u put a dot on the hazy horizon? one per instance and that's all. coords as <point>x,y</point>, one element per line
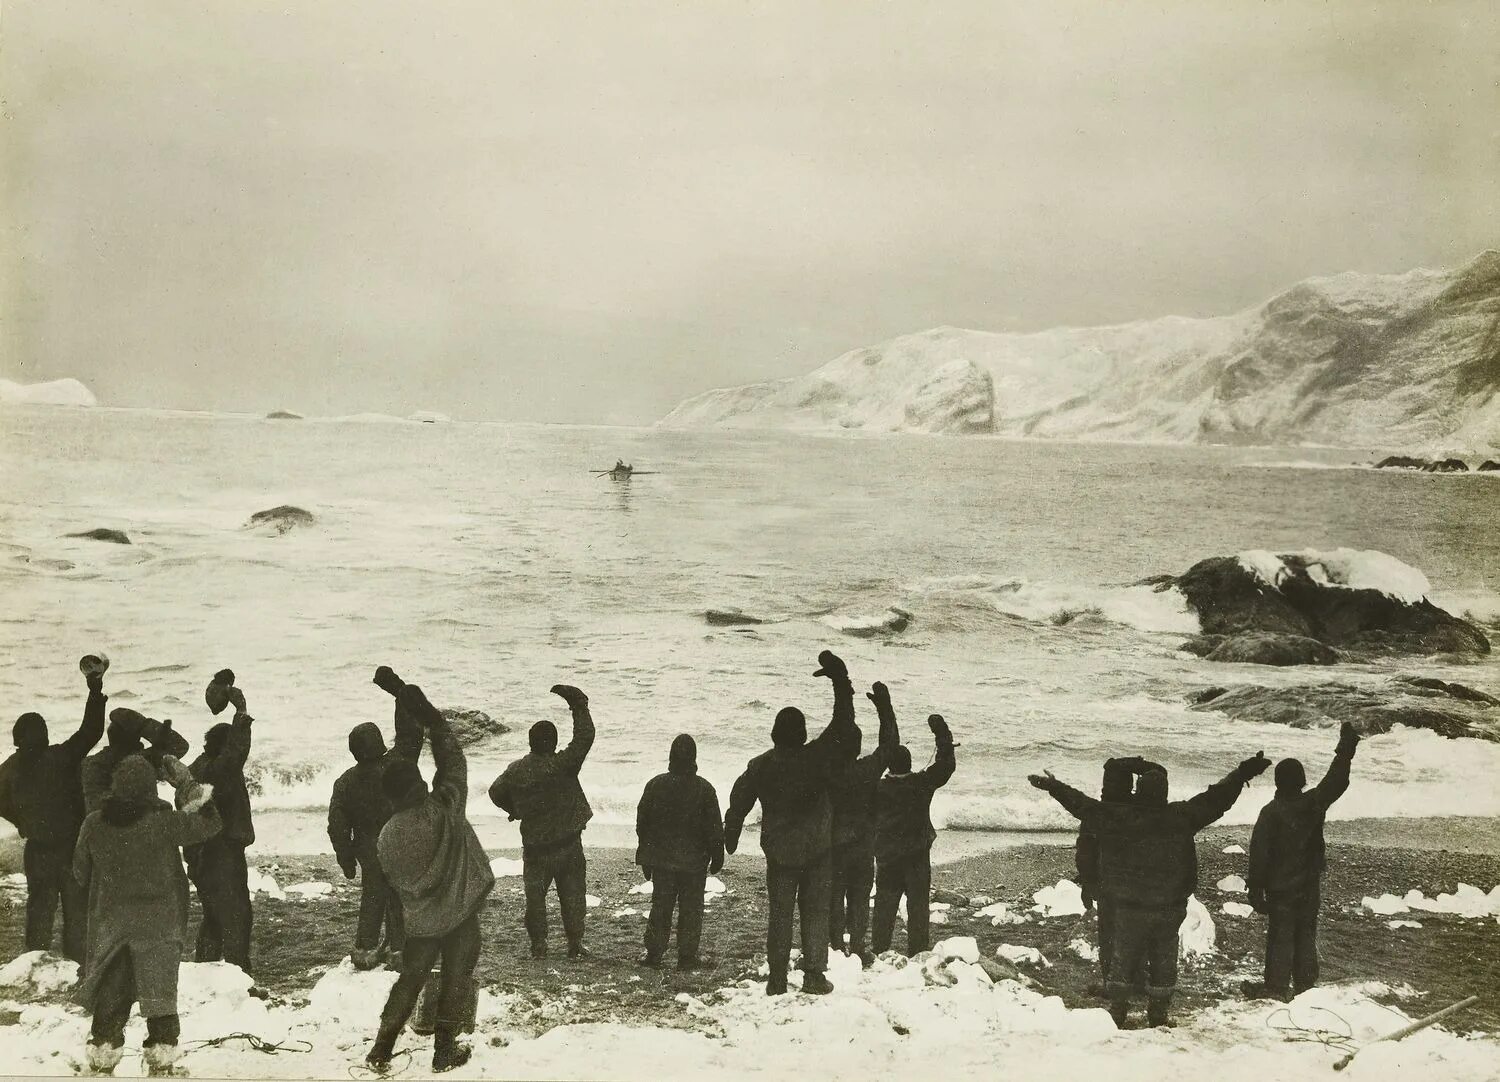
<point>584,214</point>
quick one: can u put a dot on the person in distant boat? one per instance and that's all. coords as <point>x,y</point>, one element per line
<point>791,782</point>
<point>128,856</point>
<point>431,855</point>
<point>541,789</point>
<point>1116,788</point>
<point>129,733</point>
<point>356,812</point>
<point>1286,868</point>
<point>904,837</point>
<point>681,842</point>
<point>853,799</point>
<point>218,867</point>
<point>41,793</point>
<point>1148,868</point>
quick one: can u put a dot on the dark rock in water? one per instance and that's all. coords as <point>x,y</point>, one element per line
<point>114,537</point>
<point>1443,687</point>
<point>470,727</point>
<point>1267,648</point>
<point>1230,599</point>
<point>1370,711</point>
<point>1205,695</point>
<point>730,618</point>
<point>1489,465</point>
<point>1447,465</point>
<point>283,518</point>
<point>895,620</point>
<point>1402,462</point>
<point>283,415</point>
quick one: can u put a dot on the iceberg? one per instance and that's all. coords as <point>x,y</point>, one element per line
<point>57,392</point>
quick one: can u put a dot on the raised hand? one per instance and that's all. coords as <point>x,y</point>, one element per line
<point>940,729</point>
<point>1348,738</point>
<point>387,681</point>
<point>831,666</point>
<point>1042,780</point>
<point>879,694</point>
<point>1256,765</point>
<point>569,694</point>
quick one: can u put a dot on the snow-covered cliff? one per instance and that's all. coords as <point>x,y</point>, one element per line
<point>1354,359</point>
<point>58,392</point>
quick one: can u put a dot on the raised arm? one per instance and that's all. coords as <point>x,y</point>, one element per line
<point>577,750</point>
<point>937,775</point>
<point>1337,779</point>
<point>408,741</point>
<point>838,740</point>
<point>1219,797</point>
<point>197,817</point>
<point>89,733</point>
<point>1077,804</point>
<point>742,798</point>
<point>450,777</point>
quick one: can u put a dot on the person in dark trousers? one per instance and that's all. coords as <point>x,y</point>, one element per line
<point>1148,868</point>
<point>218,867</point>
<point>129,733</point>
<point>542,790</point>
<point>681,841</point>
<point>1286,868</point>
<point>853,799</point>
<point>791,782</point>
<point>903,840</point>
<point>1116,788</point>
<point>128,856</point>
<point>433,858</point>
<point>356,812</point>
<point>41,793</point>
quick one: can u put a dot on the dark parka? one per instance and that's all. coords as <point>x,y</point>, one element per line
<point>41,788</point>
<point>852,792</point>
<point>429,851</point>
<point>1116,789</point>
<point>1287,847</point>
<point>542,789</point>
<point>359,806</point>
<point>124,740</point>
<point>677,821</point>
<point>903,805</point>
<point>226,747</point>
<point>1147,855</point>
<point>792,781</point>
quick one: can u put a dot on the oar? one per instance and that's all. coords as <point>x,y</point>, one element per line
<point>1408,1030</point>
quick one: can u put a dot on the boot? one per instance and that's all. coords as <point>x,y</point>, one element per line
<point>539,949</point>
<point>447,1052</point>
<point>776,984</point>
<point>578,950</point>
<point>161,1061</point>
<point>1157,1010</point>
<point>863,953</point>
<point>382,1050</point>
<point>365,959</point>
<point>688,965</point>
<point>649,960</point>
<point>816,984</point>
<point>102,1059</point>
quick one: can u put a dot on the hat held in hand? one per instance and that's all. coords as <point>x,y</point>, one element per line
<point>216,695</point>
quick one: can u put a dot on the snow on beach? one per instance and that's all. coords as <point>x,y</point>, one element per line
<point>898,1018</point>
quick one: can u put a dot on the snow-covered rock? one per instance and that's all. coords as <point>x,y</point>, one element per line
<point>1000,913</point>
<point>1394,924</point>
<point>1064,899</point>
<point>963,948</point>
<point>39,972</point>
<point>506,868</point>
<point>57,392</point>
<point>310,890</point>
<point>1467,901</point>
<point>1232,884</point>
<point>1238,909</point>
<point>1197,935</point>
<point>262,883</point>
<point>1084,949</point>
<point>1021,955</point>
<point>1397,360</point>
<point>1234,849</point>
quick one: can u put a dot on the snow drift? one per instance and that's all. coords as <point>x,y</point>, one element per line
<point>1402,360</point>
<point>57,392</point>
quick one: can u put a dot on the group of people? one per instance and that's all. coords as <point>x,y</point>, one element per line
<point>834,822</point>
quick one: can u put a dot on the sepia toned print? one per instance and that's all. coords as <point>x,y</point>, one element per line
<point>659,541</point>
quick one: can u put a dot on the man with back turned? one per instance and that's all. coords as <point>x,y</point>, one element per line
<point>791,782</point>
<point>542,790</point>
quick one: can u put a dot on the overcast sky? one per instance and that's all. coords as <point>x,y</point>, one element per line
<point>566,212</point>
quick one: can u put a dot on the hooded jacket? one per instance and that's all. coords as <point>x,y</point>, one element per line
<point>852,793</point>
<point>222,765</point>
<point>127,855</point>
<point>429,851</point>
<point>791,782</point>
<point>126,728</point>
<point>903,806</point>
<point>41,786</point>
<point>1287,850</point>
<point>542,790</point>
<point>677,821</point>
<point>1147,854</point>
<point>359,806</point>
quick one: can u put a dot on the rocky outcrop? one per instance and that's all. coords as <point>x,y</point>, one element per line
<point>283,415</point>
<point>281,519</point>
<point>1401,701</point>
<point>1284,601</point>
<point>730,618</point>
<point>1402,360</point>
<point>114,537</point>
<point>1447,465</point>
<point>470,727</point>
<point>1489,465</point>
<point>1402,462</point>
